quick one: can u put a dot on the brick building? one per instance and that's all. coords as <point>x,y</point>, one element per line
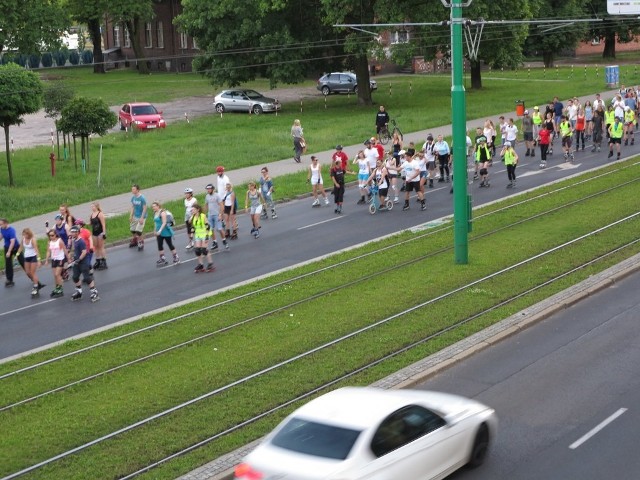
<point>166,49</point>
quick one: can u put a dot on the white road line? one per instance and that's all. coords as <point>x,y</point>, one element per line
<point>320,223</point>
<point>26,307</point>
<point>595,430</point>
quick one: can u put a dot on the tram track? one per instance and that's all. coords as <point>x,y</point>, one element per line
<point>348,336</point>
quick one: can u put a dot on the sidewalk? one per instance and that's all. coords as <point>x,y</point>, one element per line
<point>119,204</point>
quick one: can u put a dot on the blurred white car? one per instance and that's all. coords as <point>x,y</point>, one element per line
<point>244,100</point>
<point>366,433</point>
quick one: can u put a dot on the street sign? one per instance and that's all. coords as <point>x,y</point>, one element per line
<point>623,7</point>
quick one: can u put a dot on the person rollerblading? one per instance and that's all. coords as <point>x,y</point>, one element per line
<point>162,262</point>
<point>199,269</point>
<point>210,267</point>
<point>77,295</point>
<point>94,295</point>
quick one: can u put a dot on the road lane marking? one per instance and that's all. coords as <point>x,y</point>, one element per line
<point>596,429</point>
<point>320,223</point>
<point>27,307</point>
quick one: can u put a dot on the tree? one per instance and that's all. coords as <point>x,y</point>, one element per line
<point>56,96</point>
<point>20,94</point>
<point>133,15</point>
<point>610,29</point>
<point>86,116</point>
<point>91,12</point>
<point>29,25</point>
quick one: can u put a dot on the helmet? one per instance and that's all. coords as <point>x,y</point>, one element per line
<point>536,108</point>
<point>481,139</point>
<point>220,169</point>
<point>338,147</point>
<point>367,141</point>
<point>75,229</point>
<point>627,108</point>
<point>526,112</point>
<point>507,144</point>
<point>79,222</point>
<point>188,190</point>
<point>209,185</point>
<point>59,217</point>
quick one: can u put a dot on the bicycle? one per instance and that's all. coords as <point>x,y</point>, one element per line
<point>384,136</point>
<point>374,201</point>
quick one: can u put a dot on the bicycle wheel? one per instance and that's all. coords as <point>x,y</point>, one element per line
<point>384,136</point>
<point>372,208</point>
<point>389,204</point>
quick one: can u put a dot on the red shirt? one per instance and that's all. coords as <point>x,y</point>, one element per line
<point>340,155</point>
<point>580,122</point>
<point>86,236</point>
<point>544,136</point>
<point>380,149</point>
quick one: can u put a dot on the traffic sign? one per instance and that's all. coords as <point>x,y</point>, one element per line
<point>623,7</point>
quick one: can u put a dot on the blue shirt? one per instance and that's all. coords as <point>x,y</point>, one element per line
<point>8,234</point>
<point>138,202</point>
<point>167,231</point>
<point>80,246</point>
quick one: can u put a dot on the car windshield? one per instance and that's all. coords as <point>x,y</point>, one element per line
<point>144,110</point>
<point>252,94</point>
<point>317,439</point>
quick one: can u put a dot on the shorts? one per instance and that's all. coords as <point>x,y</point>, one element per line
<point>412,186</point>
<point>615,140</point>
<point>200,237</point>
<point>57,263</point>
<point>30,259</point>
<point>528,136</point>
<point>227,209</point>
<point>136,225</point>
<point>362,179</point>
<point>383,192</point>
<point>84,269</point>
<point>423,174</point>
<point>215,222</point>
<point>567,141</point>
<point>431,165</point>
<point>257,210</point>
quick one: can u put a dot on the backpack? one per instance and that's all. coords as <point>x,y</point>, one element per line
<point>170,220</point>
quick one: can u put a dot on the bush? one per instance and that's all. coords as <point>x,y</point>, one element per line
<point>6,59</point>
<point>34,61</point>
<point>74,58</point>
<point>61,57</point>
<point>87,57</point>
<point>47,60</point>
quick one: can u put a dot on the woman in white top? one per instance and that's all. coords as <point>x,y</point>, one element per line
<point>363,174</point>
<point>57,253</point>
<point>189,202</point>
<point>314,176</point>
<point>299,142</point>
<point>29,246</point>
<point>392,168</point>
<point>489,131</point>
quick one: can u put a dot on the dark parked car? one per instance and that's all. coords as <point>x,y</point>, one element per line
<point>244,100</point>
<point>342,82</point>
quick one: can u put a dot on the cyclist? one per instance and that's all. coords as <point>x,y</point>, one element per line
<point>382,119</point>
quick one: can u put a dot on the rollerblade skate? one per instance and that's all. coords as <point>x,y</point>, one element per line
<point>94,295</point>
<point>56,292</point>
<point>199,269</point>
<point>210,267</point>
<point>35,291</point>
<point>162,262</point>
<point>77,295</point>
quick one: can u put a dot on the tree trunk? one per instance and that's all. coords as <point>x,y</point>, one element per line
<point>135,27</point>
<point>96,39</point>
<point>547,58</point>
<point>609,45</point>
<point>362,74</point>
<point>6,138</point>
<point>476,77</point>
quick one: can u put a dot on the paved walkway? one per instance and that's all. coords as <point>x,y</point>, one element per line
<point>119,204</point>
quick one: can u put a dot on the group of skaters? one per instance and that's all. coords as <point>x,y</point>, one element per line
<point>207,222</point>
<point>70,247</point>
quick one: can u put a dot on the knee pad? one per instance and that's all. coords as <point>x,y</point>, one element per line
<point>484,171</point>
<point>197,251</point>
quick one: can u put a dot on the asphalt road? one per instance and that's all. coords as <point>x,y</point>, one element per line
<point>133,285</point>
<point>566,392</point>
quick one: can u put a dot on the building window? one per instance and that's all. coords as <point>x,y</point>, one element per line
<point>127,37</point>
<point>160,34</point>
<point>400,36</point>
<point>148,40</point>
<point>183,40</point>
<point>116,35</point>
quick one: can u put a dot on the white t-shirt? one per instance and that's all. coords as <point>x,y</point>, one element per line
<point>222,183</point>
<point>188,203</point>
<point>371,154</point>
<point>511,132</point>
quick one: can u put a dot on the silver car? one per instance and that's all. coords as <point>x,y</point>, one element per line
<point>341,82</point>
<point>244,100</point>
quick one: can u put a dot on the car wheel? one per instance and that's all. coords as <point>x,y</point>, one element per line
<point>326,91</point>
<point>219,108</point>
<point>480,447</point>
<point>355,90</point>
<point>256,109</point>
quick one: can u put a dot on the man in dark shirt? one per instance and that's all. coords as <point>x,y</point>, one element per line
<point>337,176</point>
<point>382,119</point>
<point>81,265</point>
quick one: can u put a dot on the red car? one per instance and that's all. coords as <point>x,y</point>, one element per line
<point>142,116</point>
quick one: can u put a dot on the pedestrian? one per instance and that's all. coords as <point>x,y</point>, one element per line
<point>189,202</point>
<point>86,236</point>
<point>221,188</point>
<point>201,232</point>
<point>396,146</point>
<point>566,133</point>
<point>11,250</point>
<point>266,188</point>
<point>66,215</point>
<point>62,231</point>
<point>558,111</point>
<point>382,119</point>
<point>214,215</point>
<point>609,117</point>
<point>137,217</point>
<point>363,174</point>
<point>430,157</point>
<point>537,119</point>
<point>596,132</point>
<point>337,177</point>
<point>511,161</point>
<point>378,146</point>
<point>314,177</point>
<point>371,154</point>
<point>412,181</point>
<point>629,124</point>
<point>340,155</point>
<point>527,134</point>
<point>503,130</point>
<point>543,139</point>
<point>588,118</point>
<point>254,203</point>
<point>581,125</point>
<point>615,136</point>
<point>442,150</point>
<point>511,132</point>
<point>163,233</point>
<point>299,143</point>
<point>99,233</point>
<point>571,113</point>
<point>230,205</point>
<point>81,266</point>
<point>489,131</point>
<point>550,126</point>
<point>391,165</point>
<point>31,254</point>
<point>380,177</point>
<point>58,254</point>
<point>482,160</point>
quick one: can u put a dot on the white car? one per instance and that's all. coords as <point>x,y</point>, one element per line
<point>358,433</point>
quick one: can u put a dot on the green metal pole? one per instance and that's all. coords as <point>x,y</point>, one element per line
<point>459,120</point>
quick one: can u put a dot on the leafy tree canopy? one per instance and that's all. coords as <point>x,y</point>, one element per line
<point>85,116</point>
<point>29,25</point>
